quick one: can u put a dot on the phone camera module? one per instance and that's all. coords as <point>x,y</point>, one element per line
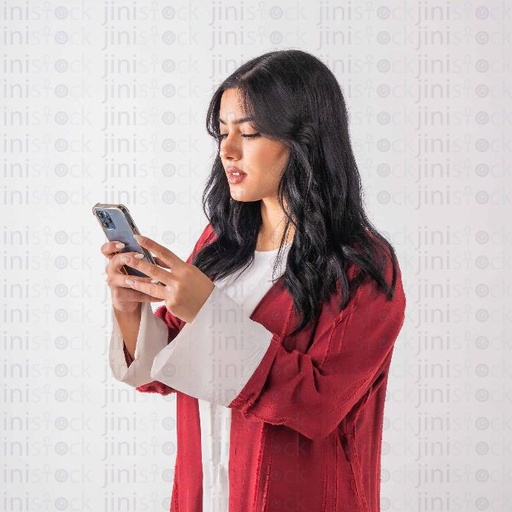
<point>106,220</point>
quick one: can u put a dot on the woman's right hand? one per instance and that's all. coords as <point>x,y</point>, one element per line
<point>124,298</point>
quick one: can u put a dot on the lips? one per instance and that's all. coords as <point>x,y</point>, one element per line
<point>235,175</point>
<point>235,170</point>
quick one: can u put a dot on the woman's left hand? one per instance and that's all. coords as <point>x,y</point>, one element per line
<point>186,287</point>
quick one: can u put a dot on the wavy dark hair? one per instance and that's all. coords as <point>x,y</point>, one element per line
<point>295,98</point>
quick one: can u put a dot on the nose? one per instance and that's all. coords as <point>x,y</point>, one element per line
<point>229,149</point>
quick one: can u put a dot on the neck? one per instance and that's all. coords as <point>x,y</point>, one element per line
<point>273,222</point>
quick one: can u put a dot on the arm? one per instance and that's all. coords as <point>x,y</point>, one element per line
<point>151,338</point>
<point>297,390</point>
<point>156,331</point>
<point>173,325</point>
<point>129,326</point>
<point>268,383</point>
<point>213,357</point>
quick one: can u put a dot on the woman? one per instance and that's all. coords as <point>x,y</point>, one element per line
<point>277,332</point>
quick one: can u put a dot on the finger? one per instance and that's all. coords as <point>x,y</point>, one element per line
<point>116,281</point>
<point>130,295</point>
<point>161,263</point>
<point>153,271</point>
<point>119,260</point>
<point>111,248</point>
<point>165,255</point>
<point>118,285</point>
<point>144,297</point>
<point>153,290</point>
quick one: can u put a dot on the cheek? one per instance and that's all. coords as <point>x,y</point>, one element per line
<point>276,157</point>
<point>268,161</point>
<point>278,162</point>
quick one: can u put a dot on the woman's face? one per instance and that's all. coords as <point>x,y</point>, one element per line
<point>258,160</point>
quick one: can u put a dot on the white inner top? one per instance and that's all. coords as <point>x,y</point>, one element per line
<point>247,289</point>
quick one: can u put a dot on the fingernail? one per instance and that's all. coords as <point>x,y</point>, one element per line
<point>154,281</point>
<point>137,237</point>
<point>125,259</point>
<point>139,256</point>
<point>120,245</point>
<point>129,282</point>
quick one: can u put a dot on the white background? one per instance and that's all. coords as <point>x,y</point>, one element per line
<point>86,87</point>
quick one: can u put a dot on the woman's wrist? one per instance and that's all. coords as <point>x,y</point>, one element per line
<point>126,311</point>
<point>129,324</point>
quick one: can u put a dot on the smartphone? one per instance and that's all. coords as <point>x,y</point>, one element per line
<point>117,224</point>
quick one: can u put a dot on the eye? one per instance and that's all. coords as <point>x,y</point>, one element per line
<point>222,136</point>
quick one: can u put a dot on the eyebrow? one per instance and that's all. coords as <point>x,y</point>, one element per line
<point>238,121</point>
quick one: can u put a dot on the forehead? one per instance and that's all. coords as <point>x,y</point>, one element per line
<point>231,106</point>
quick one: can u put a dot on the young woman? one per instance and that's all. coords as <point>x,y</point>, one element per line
<point>277,332</point>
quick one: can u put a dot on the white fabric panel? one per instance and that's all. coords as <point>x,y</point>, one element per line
<point>214,356</point>
<point>151,339</point>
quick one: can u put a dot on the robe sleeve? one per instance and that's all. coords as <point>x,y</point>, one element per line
<point>213,357</point>
<point>156,331</point>
<point>239,364</point>
<point>312,392</point>
<point>151,339</point>
<point>174,325</point>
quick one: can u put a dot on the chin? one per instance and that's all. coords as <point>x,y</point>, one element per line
<point>242,198</point>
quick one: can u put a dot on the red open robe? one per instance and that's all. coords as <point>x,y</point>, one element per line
<point>306,429</point>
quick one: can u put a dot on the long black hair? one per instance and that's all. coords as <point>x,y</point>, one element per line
<point>295,98</point>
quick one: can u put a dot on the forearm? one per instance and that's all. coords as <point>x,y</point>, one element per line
<point>129,324</point>
<point>152,337</point>
<point>212,359</point>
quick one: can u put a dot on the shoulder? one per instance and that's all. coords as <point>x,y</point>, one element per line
<point>385,279</point>
<point>383,254</point>
<point>389,295</point>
